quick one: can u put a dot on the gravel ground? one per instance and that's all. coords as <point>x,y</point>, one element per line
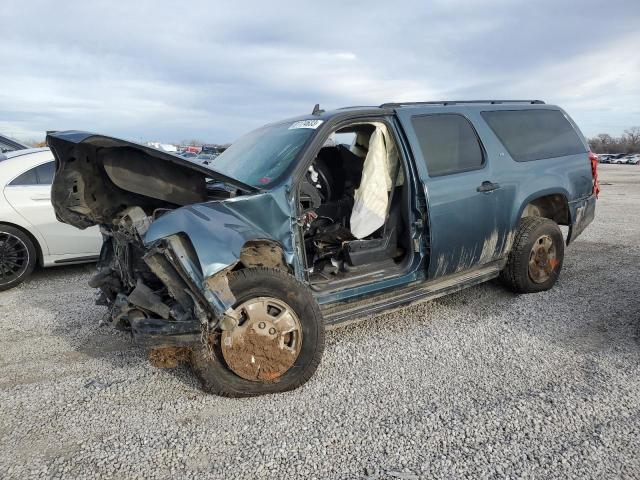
<point>481,384</point>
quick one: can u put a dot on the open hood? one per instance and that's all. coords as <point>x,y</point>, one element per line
<point>98,176</point>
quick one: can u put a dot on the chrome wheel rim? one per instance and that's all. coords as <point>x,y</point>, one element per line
<point>14,257</point>
<point>542,259</point>
<point>266,342</point>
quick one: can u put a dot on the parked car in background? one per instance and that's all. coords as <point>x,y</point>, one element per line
<point>191,148</point>
<point>30,234</point>
<point>212,149</point>
<point>633,159</point>
<point>241,281</point>
<point>9,145</point>
<point>604,158</point>
<point>188,154</point>
<point>205,158</point>
<point>618,159</point>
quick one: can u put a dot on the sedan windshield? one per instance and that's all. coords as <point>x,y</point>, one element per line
<point>260,157</point>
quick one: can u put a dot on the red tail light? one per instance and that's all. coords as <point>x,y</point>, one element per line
<point>594,173</point>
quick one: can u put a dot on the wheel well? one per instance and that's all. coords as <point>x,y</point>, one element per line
<point>262,253</point>
<point>554,207</point>
<point>36,244</point>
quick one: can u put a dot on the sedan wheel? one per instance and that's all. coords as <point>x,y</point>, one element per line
<point>17,257</point>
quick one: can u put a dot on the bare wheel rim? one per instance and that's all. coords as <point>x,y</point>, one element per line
<point>266,342</point>
<point>14,257</point>
<point>542,259</point>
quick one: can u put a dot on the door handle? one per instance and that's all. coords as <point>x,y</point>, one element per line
<point>41,197</point>
<point>487,186</point>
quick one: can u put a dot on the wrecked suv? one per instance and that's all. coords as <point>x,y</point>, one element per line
<point>238,267</point>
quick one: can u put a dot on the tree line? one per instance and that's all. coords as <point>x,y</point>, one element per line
<point>628,142</point>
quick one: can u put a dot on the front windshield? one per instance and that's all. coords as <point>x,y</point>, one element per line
<point>260,157</point>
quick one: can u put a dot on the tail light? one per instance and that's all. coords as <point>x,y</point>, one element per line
<point>594,173</point>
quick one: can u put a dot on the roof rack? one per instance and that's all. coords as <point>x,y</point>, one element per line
<point>460,102</point>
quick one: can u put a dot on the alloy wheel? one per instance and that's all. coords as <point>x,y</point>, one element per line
<point>14,257</point>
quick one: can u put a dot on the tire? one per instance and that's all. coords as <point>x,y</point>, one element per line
<point>518,274</point>
<point>247,285</point>
<point>17,257</point>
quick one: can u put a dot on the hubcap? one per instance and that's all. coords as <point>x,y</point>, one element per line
<point>14,257</point>
<point>542,259</point>
<point>266,342</point>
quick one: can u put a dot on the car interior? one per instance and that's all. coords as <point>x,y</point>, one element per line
<point>354,208</point>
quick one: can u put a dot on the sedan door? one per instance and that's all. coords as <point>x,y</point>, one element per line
<point>30,195</point>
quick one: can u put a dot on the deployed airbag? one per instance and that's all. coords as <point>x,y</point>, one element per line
<point>372,196</point>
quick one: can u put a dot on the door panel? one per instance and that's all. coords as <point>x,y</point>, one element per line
<point>33,202</point>
<point>467,215</point>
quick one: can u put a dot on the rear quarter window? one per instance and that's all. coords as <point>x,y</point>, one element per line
<point>40,175</point>
<point>534,134</point>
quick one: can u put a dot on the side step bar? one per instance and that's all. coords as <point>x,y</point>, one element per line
<point>339,314</point>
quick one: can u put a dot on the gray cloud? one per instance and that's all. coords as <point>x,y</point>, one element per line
<point>170,70</point>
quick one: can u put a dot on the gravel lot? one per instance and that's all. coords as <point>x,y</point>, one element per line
<point>482,384</point>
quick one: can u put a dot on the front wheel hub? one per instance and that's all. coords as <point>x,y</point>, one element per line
<point>266,342</point>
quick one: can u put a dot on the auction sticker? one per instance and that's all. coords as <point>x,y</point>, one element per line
<point>313,124</point>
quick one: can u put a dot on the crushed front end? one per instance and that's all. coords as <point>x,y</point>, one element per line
<point>156,292</point>
<point>149,274</point>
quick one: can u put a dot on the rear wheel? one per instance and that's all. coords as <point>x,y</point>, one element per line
<point>536,256</point>
<point>17,257</point>
<point>277,344</point>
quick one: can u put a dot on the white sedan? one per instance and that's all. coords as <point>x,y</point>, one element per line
<point>29,231</point>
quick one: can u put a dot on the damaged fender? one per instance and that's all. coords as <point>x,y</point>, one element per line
<point>217,232</point>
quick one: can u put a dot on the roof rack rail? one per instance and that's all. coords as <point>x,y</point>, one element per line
<point>460,102</point>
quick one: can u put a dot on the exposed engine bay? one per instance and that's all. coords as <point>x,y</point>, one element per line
<point>344,190</point>
<point>148,288</point>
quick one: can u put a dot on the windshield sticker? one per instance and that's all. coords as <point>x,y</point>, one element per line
<point>313,124</point>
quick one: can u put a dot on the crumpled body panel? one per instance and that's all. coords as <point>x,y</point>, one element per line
<point>219,230</point>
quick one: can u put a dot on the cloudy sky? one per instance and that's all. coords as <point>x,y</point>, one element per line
<point>212,70</point>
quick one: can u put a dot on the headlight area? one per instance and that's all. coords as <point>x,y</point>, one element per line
<point>158,292</point>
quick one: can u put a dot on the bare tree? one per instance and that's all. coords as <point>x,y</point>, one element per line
<point>632,137</point>
<point>629,142</point>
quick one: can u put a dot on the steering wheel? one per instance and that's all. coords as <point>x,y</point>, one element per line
<point>320,177</point>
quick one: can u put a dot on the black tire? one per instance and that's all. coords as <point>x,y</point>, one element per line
<point>210,367</point>
<point>516,273</point>
<point>18,257</point>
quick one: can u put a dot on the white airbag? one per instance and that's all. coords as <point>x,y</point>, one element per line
<point>372,197</point>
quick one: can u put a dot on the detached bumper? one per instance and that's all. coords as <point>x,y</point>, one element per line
<point>583,212</point>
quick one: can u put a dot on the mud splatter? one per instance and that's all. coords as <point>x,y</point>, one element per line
<point>169,357</point>
<point>258,357</point>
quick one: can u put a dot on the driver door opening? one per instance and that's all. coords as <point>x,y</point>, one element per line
<point>354,208</point>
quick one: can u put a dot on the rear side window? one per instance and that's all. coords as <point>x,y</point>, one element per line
<point>40,175</point>
<point>27,178</point>
<point>448,142</point>
<point>45,173</point>
<point>534,134</point>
